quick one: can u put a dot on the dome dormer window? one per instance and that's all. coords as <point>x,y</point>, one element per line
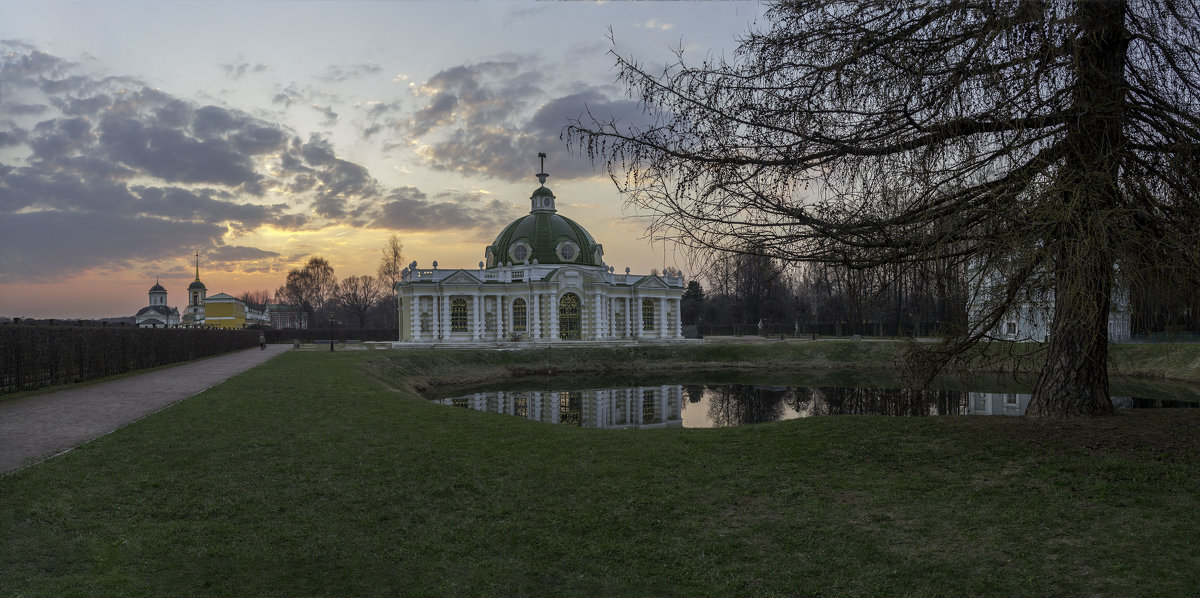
<point>567,251</point>
<point>520,252</point>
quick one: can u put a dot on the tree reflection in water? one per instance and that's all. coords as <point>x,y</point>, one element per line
<point>738,404</point>
<point>720,405</point>
<point>878,401</point>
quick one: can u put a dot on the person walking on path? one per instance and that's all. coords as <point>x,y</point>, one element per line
<point>262,341</point>
<point>36,427</point>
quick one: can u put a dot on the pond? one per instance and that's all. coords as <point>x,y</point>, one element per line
<point>719,405</point>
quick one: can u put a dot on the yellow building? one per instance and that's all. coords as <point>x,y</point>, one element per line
<point>224,311</point>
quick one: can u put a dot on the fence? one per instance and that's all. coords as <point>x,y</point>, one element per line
<point>36,356</point>
<point>308,335</point>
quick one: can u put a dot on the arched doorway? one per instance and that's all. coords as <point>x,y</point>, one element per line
<point>569,320</point>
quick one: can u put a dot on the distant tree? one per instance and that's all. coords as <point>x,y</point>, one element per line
<point>359,296</point>
<point>1048,146</point>
<point>312,288</point>
<point>391,265</point>
<point>256,299</point>
<point>692,302</point>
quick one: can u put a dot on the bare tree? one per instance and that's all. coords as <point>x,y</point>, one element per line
<point>1047,147</point>
<point>256,299</point>
<point>391,264</point>
<point>312,288</point>
<point>359,295</point>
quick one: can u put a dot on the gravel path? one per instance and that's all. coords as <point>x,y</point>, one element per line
<point>37,427</point>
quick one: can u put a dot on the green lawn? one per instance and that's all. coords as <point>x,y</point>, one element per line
<point>307,476</point>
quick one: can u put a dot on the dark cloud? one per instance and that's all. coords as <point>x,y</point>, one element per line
<point>474,95</point>
<point>240,68</point>
<point>47,246</point>
<point>172,155</point>
<point>103,172</point>
<point>327,111</point>
<point>25,63</point>
<point>339,74</point>
<point>53,138</point>
<point>379,117</point>
<point>508,149</point>
<point>382,109</point>
<point>86,106</point>
<point>211,121</point>
<point>491,119</point>
<point>239,253</point>
<point>22,109</point>
<point>283,98</point>
<point>407,208</point>
<point>13,136</point>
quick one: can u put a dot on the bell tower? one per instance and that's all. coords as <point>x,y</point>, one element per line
<point>196,294</point>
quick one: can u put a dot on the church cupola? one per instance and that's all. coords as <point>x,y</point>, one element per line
<point>542,199</point>
<point>543,236</point>
<point>158,294</point>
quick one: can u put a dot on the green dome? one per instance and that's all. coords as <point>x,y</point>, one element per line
<point>544,236</point>
<point>196,285</point>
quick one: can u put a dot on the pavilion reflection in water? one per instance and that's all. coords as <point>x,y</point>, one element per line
<point>638,407</point>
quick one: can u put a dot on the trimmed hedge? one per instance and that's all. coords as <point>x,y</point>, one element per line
<point>35,356</point>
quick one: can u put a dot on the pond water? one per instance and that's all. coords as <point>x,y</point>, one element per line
<point>718,405</point>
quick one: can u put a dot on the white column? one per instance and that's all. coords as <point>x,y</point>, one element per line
<point>597,332</point>
<point>501,323</point>
<point>553,315</point>
<point>533,317</point>
<point>445,318</point>
<point>476,315</point>
<point>608,324</point>
<point>628,331</point>
<point>664,402</point>
<point>677,321</point>
<point>661,305</point>
<point>414,329</point>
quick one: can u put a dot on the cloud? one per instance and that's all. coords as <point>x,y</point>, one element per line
<point>326,111</point>
<point>172,155</point>
<point>507,148</point>
<point>409,209</point>
<point>48,245</point>
<point>342,73</point>
<point>492,118</point>
<point>655,24</point>
<point>474,95</point>
<point>107,172</point>
<point>240,68</point>
<point>239,253</point>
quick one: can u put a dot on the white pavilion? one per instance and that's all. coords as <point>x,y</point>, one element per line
<point>543,280</point>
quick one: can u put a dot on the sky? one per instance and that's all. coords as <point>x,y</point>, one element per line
<point>261,133</point>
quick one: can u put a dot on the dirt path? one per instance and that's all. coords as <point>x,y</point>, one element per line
<point>37,427</point>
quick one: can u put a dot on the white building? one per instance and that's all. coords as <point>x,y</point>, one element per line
<point>1029,320</point>
<point>543,280</point>
<point>157,314</point>
<point>642,407</point>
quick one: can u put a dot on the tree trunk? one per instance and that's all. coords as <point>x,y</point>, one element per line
<point>1074,380</point>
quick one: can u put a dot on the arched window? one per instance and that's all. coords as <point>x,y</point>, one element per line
<point>647,314</point>
<point>648,406</point>
<point>569,318</point>
<point>518,315</point>
<point>458,315</point>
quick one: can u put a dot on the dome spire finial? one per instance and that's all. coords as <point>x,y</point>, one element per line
<point>197,265</point>
<point>542,176</point>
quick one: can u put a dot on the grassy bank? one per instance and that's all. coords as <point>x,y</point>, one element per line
<point>306,476</point>
<point>856,363</point>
